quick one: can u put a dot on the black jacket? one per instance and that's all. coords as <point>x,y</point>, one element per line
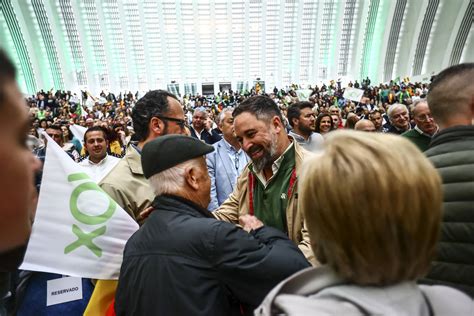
<point>452,153</point>
<point>183,261</point>
<point>389,128</point>
<point>208,137</point>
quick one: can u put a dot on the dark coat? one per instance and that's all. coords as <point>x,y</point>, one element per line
<point>183,261</point>
<point>389,128</point>
<point>452,153</point>
<point>208,138</point>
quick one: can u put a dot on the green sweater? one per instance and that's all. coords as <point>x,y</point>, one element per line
<point>420,140</point>
<point>270,202</point>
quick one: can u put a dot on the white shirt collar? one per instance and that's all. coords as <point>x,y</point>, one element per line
<point>275,167</point>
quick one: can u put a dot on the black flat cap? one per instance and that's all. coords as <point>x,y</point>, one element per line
<point>167,151</point>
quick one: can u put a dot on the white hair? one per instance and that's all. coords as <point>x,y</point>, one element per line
<point>220,117</point>
<point>172,180</point>
<point>394,107</point>
<point>201,110</point>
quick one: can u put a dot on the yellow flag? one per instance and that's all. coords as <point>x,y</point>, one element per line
<point>101,298</point>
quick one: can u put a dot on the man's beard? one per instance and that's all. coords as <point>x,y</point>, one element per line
<point>267,157</point>
<point>307,130</point>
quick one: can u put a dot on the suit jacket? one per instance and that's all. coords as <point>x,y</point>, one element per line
<point>222,172</point>
<point>208,138</point>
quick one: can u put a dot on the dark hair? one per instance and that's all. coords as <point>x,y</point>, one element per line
<point>318,121</point>
<point>7,73</point>
<point>263,107</point>
<point>153,103</point>
<point>294,111</point>
<point>351,122</point>
<point>69,134</point>
<point>449,93</point>
<point>450,72</point>
<point>55,127</point>
<point>96,129</point>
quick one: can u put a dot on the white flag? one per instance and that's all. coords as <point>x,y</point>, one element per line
<point>78,131</point>
<point>353,94</point>
<point>78,230</point>
<point>303,95</point>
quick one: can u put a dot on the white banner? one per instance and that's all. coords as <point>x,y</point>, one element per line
<point>78,131</point>
<point>353,94</point>
<point>303,95</point>
<point>78,230</point>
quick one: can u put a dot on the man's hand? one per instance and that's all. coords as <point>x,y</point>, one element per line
<point>208,124</point>
<point>250,222</point>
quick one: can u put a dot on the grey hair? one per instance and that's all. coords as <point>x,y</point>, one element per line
<point>172,180</point>
<point>394,107</point>
<point>416,103</point>
<point>198,110</point>
<point>220,117</point>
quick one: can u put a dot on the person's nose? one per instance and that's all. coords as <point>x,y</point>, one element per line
<point>246,144</point>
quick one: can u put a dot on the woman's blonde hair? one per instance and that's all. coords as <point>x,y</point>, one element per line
<point>372,203</point>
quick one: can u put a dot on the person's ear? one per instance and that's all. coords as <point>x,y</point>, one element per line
<point>277,123</point>
<point>191,177</point>
<point>156,126</point>
<point>295,121</point>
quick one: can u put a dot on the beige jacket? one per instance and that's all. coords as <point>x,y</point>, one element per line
<point>238,204</point>
<point>127,185</point>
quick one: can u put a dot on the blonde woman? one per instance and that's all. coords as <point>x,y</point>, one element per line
<point>375,235</point>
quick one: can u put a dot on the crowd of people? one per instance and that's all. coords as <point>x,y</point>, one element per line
<point>331,111</point>
<point>254,202</point>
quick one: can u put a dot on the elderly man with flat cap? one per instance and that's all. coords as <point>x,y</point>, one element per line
<point>183,261</point>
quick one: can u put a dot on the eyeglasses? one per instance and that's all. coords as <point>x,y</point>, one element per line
<point>181,123</point>
<point>424,118</point>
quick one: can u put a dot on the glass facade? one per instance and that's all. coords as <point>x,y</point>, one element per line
<point>148,44</point>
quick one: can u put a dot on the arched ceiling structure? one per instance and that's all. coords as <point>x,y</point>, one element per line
<point>147,44</point>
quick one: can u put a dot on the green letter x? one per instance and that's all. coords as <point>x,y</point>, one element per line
<point>85,239</point>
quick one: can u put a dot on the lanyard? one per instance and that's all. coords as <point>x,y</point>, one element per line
<point>253,180</point>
